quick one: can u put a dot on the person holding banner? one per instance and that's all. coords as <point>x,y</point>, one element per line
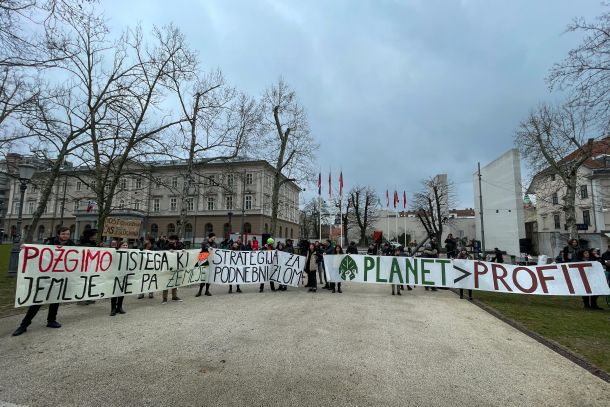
<point>148,246</point>
<point>62,239</point>
<point>88,239</point>
<point>207,247</point>
<point>173,243</point>
<point>590,302</point>
<point>338,250</point>
<point>311,266</point>
<point>235,248</point>
<point>116,303</point>
<point>396,286</point>
<point>268,246</point>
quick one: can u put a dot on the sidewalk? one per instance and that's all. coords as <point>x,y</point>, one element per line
<point>362,347</point>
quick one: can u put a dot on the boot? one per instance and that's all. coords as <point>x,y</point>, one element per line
<point>112,312</point>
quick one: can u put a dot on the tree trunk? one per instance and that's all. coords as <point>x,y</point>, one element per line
<point>569,206</point>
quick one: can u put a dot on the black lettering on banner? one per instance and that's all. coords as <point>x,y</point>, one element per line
<point>76,297</point>
<point>38,289</point>
<point>54,281</point>
<point>30,285</point>
<point>92,285</point>
<point>171,280</point>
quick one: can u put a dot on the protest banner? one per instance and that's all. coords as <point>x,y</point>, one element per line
<point>52,274</point>
<point>122,228</point>
<point>585,278</point>
<point>237,267</point>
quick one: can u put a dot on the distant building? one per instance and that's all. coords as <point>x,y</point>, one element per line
<point>153,194</point>
<point>502,192</point>
<point>592,204</point>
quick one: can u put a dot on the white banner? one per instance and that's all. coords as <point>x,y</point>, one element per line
<point>50,274</point>
<point>585,278</point>
<point>237,267</point>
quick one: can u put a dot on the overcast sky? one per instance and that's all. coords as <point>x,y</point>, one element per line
<point>396,91</point>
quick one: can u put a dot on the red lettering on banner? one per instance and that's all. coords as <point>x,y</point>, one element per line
<point>566,275</point>
<point>41,257</point>
<point>583,274</point>
<point>27,256</point>
<point>532,276</point>
<point>494,271</point>
<point>543,279</point>
<point>101,262</point>
<point>73,260</point>
<point>477,273</point>
<point>58,259</point>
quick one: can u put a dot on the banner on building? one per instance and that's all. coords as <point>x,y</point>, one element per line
<point>237,267</point>
<point>585,278</point>
<point>122,228</point>
<point>51,274</point>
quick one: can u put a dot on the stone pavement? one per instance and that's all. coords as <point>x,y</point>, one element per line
<point>360,348</point>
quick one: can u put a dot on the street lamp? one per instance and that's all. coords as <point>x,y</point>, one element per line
<point>26,172</point>
<point>229,232</point>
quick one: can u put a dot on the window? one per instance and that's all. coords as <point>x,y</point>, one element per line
<point>92,185</point>
<point>172,204</point>
<point>226,230</point>
<point>190,204</point>
<point>76,205</point>
<point>188,231</point>
<point>557,221</point>
<point>552,177</point>
<point>584,194</point>
<point>41,232</point>
<point>158,182</point>
<point>247,228</point>
<point>266,228</point>
<point>248,202</point>
<point>280,234</point>
<point>30,207</point>
<point>210,180</point>
<point>123,183</point>
<point>249,179</point>
<point>154,230</point>
<point>138,183</point>
<point>79,185</point>
<point>586,218</point>
<point>211,201</point>
<point>291,233</point>
<point>229,202</point>
<point>174,182</point>
<point>230,180</point>
<point>34,188</point>
<point>156,205</point>
<point>122,204</point>
<point>555,199</point>
<point>171,229</point>
<point>136,205</point>
<point>209,228</point>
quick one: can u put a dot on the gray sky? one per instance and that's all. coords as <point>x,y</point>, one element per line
<point>396,91</point>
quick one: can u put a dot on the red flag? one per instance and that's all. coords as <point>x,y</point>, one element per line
<point>319,183</point>
<point>387,197</point>
<point>341,184</point>
<point>404,199</point>
<point>330,190</point>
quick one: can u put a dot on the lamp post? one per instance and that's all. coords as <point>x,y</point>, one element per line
<point>26,172</point>
<point>229,232</point>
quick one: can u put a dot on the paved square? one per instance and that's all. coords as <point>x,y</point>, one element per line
<point>362,347</point>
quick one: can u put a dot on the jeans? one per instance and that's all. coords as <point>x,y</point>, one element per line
<point>33,310</point>
<point>116,303</point>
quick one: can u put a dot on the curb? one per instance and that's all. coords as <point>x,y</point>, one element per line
<point>549,343</point>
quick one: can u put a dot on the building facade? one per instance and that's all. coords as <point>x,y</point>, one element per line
<point>222,197</point>
<point>592,204</point>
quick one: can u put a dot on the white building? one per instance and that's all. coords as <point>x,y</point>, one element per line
<point>503,215</point>
<point>592,204</point>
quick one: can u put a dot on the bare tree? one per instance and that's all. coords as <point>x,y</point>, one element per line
<point>586,69</point>
<point>364,213</point>
<point>219,124</point>
<point>432,204</point>
<point>289,144</point>
<point>555,140</point>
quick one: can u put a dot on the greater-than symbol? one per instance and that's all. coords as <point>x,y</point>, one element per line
<point>463,276</point>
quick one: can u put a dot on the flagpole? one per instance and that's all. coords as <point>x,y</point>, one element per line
<point>320,217</point>
<point>404,194</point>
<point>396,213</point>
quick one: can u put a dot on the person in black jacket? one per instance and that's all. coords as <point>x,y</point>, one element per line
<point>338,250</point>
<point>62,239</point>
<point>451,246</point>
<point>236,248</point>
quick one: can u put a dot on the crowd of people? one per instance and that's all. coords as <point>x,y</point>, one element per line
<point>314,266</point>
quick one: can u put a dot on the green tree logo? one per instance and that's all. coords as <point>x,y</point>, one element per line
<point>348,268</point>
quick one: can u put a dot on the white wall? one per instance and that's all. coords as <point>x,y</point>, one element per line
<point>503,214</point>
